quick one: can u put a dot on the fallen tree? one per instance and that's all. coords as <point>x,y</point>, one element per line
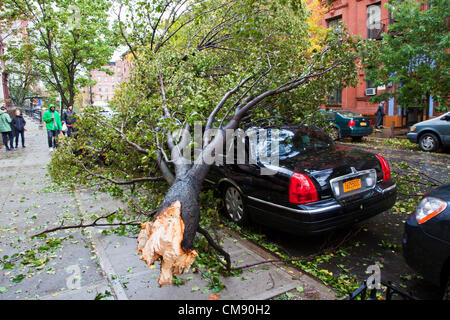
<point>227,64</point>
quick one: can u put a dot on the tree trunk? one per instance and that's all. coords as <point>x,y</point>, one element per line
<point>186,190</point>
<point>170,236</point>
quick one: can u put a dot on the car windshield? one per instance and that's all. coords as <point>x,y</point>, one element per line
<point>292,142</point>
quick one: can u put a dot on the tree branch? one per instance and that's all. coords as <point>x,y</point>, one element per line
<point>93,224</point>
<point>136,180</point>
<point>218,248</point>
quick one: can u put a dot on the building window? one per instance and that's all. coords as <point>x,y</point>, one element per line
<point>373,21</point>
<point>99,89</point>
<point>370,84</point>
<point>334,23</point>
<point>335,98</point>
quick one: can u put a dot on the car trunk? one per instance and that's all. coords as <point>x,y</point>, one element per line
<point>335,161</point>
<point>362,122</point>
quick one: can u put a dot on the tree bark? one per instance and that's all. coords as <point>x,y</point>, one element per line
<point>185,189</point>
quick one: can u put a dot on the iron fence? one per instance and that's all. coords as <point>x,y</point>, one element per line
<point>365,293</point>
<point>33,112</point>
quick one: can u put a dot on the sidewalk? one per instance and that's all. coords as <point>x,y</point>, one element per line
<point>389,132</point>
<point>109,265</point>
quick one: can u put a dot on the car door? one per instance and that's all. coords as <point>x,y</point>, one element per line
<point>443,127</point>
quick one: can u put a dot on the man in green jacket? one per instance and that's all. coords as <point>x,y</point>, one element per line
<point>5,128</point>
<point>52,121</point>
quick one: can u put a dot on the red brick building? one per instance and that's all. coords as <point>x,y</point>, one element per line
<point>369,19</point>
<point>102,92</point>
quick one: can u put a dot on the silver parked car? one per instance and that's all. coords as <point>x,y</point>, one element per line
<point>431,134</point>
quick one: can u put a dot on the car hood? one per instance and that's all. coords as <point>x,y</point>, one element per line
<point>442,192</point>
<point>332,162</point>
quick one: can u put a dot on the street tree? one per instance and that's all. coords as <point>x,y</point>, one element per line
<point>413,56</point>
<point>64,40</point>
<point>227,64</point>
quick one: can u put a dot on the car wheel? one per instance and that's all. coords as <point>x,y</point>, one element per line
<point>429,142</point>
<point>234,205</point>
<point>335,134</point>
<point>357,139</point>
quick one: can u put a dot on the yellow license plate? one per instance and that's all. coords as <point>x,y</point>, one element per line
<point>352,185</point>
<point>363,124</point>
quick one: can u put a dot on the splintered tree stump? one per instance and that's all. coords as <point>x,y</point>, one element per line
<point>162,238</point>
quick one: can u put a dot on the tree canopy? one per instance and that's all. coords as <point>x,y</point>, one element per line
<point>187,59</point>
<point>413,55</point>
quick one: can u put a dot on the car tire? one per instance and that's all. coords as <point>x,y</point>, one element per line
<point>429,142</point>
<point>357,139</point>
<point>234,206</point>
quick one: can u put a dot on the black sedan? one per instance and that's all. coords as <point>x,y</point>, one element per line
<point>426,241</point>
<point>316,186</point>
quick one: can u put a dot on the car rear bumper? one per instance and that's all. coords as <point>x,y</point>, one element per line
<point>324,215</point>
<point>357,131</point>
<point>412,136</point>
<point>423,253</point>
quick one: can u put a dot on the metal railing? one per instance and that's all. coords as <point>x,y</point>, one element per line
<point>365,293</point>
<point>35,113</point>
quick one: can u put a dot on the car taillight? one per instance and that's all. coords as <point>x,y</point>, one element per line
<point>351,123</point>
<point>302,189</point>
<point>371,123</point>
<point>385,168</point>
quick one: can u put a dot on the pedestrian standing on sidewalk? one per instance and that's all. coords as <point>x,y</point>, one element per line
<point>52,121</point>
<point>5,128</point>
<point>69,119</point>
<point>380,115</point>
<point>18,123</point>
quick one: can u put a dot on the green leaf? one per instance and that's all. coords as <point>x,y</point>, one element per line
<point>18,278</point>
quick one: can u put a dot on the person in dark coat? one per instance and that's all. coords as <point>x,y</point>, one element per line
<point>380,115</point>
<point>69,119</point>
<point>18,124</point>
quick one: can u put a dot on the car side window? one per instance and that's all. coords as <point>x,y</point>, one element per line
<point>331,115</point>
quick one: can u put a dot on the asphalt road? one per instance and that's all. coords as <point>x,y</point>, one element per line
<point>377,240</point>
